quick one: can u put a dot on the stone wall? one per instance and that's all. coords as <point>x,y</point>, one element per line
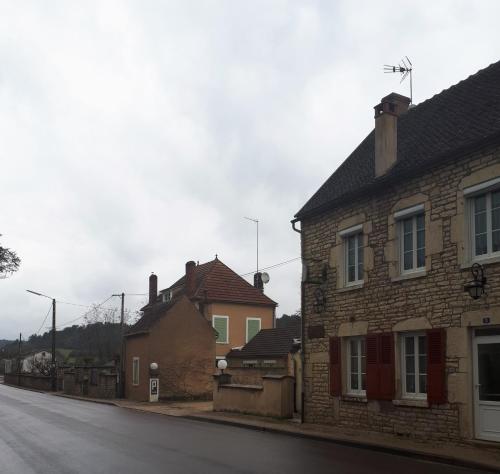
<point>272,397</point>
<point>35,382</point>
<point>92,382</point>
<point>387,302</point>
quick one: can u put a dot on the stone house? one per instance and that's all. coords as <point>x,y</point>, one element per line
<point>187,326</point>
<point>177,337</point>
<point>391,341</point>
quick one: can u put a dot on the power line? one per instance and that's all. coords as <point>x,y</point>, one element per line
<point>273,266</point>
<point>85,314</point>
<point>45,319</point>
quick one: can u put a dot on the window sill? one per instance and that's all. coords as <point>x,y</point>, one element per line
<point>410,276</point>
<point>357,286</point>
<point>348,397</point>
<point>411,402</point>
<point>483,261</point>
<point>226,343</point>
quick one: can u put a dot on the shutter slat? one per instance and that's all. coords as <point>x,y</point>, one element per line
<point>436,365</point>
<point>386,366</point>
<point>335,367</point>
<point>372,367</point>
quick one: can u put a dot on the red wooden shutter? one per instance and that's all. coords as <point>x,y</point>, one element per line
<point>436,363</point>
<point>386,366</point>
<point>335,367</point>
<point>372,365</point>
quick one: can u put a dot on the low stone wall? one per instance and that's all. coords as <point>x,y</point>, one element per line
<point>36,382</point>
<point>92,382</point>
<point>274,397</point>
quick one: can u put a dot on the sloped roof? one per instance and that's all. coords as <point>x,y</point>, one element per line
<point>275,342</point>
<point>150,316</point>
<point>459,119</point>
<point>215,281</point>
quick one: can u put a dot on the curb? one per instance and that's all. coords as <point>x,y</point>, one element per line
<point>406,452</point>
<point>83,399</point>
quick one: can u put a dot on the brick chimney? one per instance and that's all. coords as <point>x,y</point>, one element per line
<point>386,131</point>
<point>257,281</point>
<point>190,284</point>
<point>153,288</point>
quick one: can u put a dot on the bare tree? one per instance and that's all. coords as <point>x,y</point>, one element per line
<point>9,261</point>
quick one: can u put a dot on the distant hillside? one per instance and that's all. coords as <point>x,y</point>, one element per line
<point>4,342</point>
<point>96,342</point>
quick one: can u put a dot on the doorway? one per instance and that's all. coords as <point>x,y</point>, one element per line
<point>486,355</point>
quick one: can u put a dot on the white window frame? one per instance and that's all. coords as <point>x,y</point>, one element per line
<point>357,232</point>
<point>412,213</point>
<point>252,319</point>
<point>417,395</point>
<point>135,370</point>
<point>489,229</point>
<point>350,391</point>
<point>227,327</point>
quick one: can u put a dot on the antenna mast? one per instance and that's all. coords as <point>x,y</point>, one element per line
<point>405,68</point>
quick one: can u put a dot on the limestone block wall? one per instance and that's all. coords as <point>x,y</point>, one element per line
<point>389,302</point>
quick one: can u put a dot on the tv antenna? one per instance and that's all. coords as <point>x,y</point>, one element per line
<point>405,68</point>
<point>256,221</point>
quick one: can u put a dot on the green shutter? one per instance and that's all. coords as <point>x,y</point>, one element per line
<point>220,325</point>
<point>253,327</point>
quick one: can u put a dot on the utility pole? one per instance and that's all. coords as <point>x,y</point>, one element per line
<point>53,361</point>
<point>53,365</point>
<point>19,361</point>
<point>121,385</point>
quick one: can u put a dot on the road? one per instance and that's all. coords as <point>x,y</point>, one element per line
<point>41,433</point>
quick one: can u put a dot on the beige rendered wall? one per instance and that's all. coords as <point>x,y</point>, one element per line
<point>137,346</point>
<point>274,397</point>
<point>183,345</point>
<point>237,321</point>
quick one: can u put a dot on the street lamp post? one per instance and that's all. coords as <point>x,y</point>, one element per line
<point>53,368</point>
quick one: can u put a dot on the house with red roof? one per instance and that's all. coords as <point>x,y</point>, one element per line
<point>186,327</point>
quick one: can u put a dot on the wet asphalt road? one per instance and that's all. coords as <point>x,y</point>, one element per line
<point>41,433</point>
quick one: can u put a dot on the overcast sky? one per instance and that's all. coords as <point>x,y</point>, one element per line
<point>134,136</point>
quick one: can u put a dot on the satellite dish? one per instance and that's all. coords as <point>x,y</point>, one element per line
<point>265,277</point>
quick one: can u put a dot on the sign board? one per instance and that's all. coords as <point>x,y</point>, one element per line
<point>154,390</point>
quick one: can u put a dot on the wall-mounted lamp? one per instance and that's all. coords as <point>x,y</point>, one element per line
<point>475,287</point>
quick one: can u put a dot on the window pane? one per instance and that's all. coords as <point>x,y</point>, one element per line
<point>495,199</point>
<point>354,364</point>
<point>481,244</point>
<point>407,242</point>
<point>409,345</point>
<point>363,381</point>
<point>420,222</point>
<point>495,219</point>
<point>480,204</point>
<point>495,241</point>
<point>410,383</point>
<point>408,260</point>
<point>354,347</point>
<point>354,382</point>
<point>408,226</point>
<point>422,345</point>
<point>360,256</point>
<point>351,274</point>
<point>423,383</point>
<point>420,258</point>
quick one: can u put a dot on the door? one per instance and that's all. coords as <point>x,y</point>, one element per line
<point>487,384</point>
